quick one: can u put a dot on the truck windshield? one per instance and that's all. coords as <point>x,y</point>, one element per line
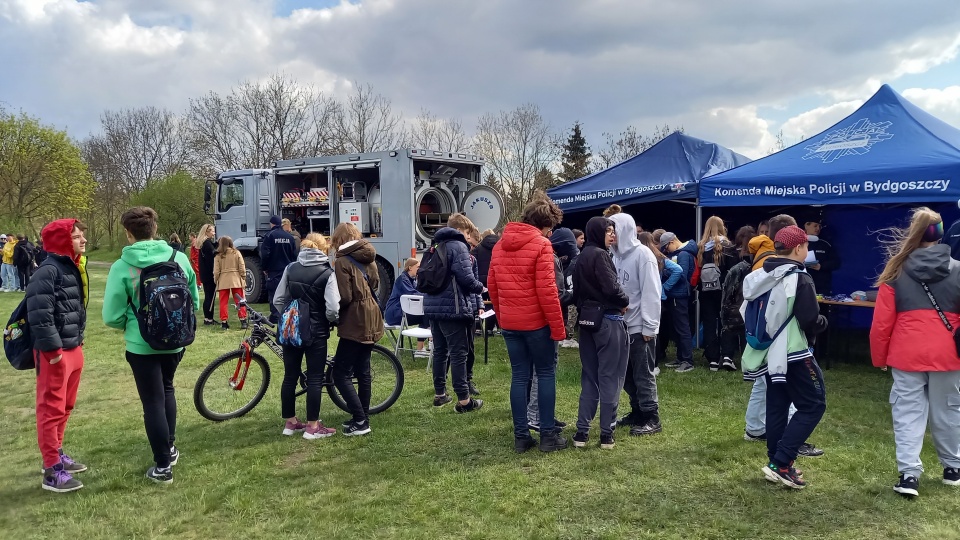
<point>230,194</point>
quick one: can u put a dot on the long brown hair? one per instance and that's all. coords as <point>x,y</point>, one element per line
<point>713,230</point>
<point>744,235</point>
<point>225,246</point>
<point>345,232</point>
<point>900,243</point>
<point>647,240</point>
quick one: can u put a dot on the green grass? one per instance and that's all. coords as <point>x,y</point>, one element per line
<point>427,473</point>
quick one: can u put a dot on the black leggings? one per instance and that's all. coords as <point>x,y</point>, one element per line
<point>316,354</point>
<point>353,359</point>
<point>153,374</point>
<point>209,297</point>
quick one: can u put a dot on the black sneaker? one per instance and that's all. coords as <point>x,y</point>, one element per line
<point>174,455</point>
<point>356,429</point>
<point>907,486</point>
<point>714,365</point>
<point>552,442</point>
<point>951,477</point>
<point>649,428</point>
<point>209,322</point>
<point>788,476</point>
<point>809,450</point>
<point>472,389</point>
<point>580,439</point>
<point>631,419</point>
<point>471,405</point>
<point>244,325</point>
<point>160,476</point>
<point>684,367</point>
<point>672,365</point>
<point>558,424</point>
<point>224,325</point>
<point>754,438</point>
<point>522,444</point>
<point>606,442</point>
<point>728,364</point>
<point>440,401</point>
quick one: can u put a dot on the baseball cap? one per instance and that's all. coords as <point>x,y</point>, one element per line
<point>791,237</point>
<point>3,237</point>
<point>666,238</point>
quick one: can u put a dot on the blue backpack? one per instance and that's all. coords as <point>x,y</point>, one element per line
<point>755,320</point>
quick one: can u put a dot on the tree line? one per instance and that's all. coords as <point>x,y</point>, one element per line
<point>155,156</point>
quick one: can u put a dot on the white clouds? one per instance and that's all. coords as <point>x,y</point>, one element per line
<point>942,103</point>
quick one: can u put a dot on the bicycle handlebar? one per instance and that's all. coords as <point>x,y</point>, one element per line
<point>254,315</point>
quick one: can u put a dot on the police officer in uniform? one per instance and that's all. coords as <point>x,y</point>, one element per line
<point>277,251</point>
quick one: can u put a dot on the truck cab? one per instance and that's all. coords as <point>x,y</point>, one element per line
<point>397,199</point>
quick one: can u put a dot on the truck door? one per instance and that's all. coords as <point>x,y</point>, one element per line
<point>483,205</point>
<point>232,207</point>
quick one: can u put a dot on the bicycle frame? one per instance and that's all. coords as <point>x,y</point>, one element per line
<point>260,335</point>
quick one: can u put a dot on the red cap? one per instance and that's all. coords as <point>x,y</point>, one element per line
<point>791,237</point>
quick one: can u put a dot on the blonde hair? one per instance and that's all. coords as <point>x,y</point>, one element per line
<point>613,209</point>
<point>487,233</point>
<point>202,235</point>
<point>900,243</point>
<point>225,246</point>
<point>314,241</point>
<point>345,232</point>
<point>713,230</point>
<point>409,263</point>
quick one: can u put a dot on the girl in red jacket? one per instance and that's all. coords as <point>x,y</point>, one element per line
<point>918,307</point>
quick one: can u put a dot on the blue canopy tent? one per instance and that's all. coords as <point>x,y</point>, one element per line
<point>669,170</point>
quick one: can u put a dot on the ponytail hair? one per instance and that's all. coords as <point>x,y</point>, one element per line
<point>900,243</point>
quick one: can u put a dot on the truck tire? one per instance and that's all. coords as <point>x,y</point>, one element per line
<point>255,291</point>
<point>385,271</point>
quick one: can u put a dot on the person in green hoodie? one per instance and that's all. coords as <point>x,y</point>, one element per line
<point>153,370</point>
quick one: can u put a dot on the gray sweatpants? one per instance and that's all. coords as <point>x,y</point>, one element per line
<point>533,402</point>
<point>915,396</point>
<point>603,357</point>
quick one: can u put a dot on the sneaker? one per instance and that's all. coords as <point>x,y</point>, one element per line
<point>714,365</point>
<point>319,432</point>
<point>672,365</point>
<point>580,439</point>
<point>728,364</point>
<point>656,372</point>
<point>70,465</point>
<point>59,481</point>
<point>293,426</point>
<point>951,477</point>
<point>606,442</point>
<point>174,455</point>
<point>522,444</point>
<point>160,476</point>
<point>754,438</point>
<point>356,429</point>
<point>471,405</point>
<point>209,322</point>
<point>440,401</point>
<point>421,354</point>
<point>809,450</point>
<point>631,419</point>
<point>787,476</point>
<point>552,442</point>
<point>224,325</point>
<point>534,426</point>
<point>472,389</point>
<point>907,485</point>
<point>558,424</point>
<point>569,344</point>
<point>684,367</point>
<point>649,428</point>
<point>243,324</point>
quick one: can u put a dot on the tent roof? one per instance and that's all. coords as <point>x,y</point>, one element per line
<point>887,151</point>
<point>668,170</point>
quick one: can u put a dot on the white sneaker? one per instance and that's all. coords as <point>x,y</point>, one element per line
<point>656,371</point>
<point>570,344</point>
<point>421,354</point>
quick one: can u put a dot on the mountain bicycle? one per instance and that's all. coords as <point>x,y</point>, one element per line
<point>234,383</point>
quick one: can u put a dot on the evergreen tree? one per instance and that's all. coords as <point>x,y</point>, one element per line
<point>576,156</point>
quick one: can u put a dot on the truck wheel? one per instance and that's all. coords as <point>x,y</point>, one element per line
<point>255,290</point>
<point>386,282</point>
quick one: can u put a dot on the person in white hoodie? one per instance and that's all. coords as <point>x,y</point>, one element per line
<point>639,276</point>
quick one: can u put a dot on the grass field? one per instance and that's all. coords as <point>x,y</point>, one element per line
<point>426,473</point>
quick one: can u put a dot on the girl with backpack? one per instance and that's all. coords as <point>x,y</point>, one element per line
<point>310,281</point>
<point>715,257</point>
<point>230,275</point>
<point>917,311</point>
<point>361,323</point>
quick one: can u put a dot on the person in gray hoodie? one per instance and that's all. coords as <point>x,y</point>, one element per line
<point>639,276</point>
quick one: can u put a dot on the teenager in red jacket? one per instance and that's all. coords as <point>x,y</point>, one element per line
<point>909,336</point>
<point>523,289</point>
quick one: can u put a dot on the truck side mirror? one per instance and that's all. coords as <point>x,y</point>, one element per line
<point>207,197</point>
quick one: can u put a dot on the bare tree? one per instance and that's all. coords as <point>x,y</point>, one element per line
<point>430,132</point>
<point>110,194</point>
<point>517,145</point>
<point>143,144</point>
<point>629,143</point>
<point>366,123</point>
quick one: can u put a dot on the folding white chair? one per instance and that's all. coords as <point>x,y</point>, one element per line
<point>393,331</point>
<point>412,304</point>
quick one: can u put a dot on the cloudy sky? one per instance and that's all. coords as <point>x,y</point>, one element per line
<point>732,71</point>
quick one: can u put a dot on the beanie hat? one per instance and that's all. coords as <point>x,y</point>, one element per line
<point>791,237</point>
<point>275,220</point>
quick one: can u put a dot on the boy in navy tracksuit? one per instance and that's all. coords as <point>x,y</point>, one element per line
<point>678,298</point>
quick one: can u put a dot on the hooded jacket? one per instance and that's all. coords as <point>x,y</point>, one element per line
<point>483,252</point>
<point>56,304</point>
<point>456,302</point>
<point>123,287</point>
<point>907,333</point>
<point>639,275</point>
<point>405,284</point>
<point>360,317</point>
<point>760,247</point>
<point>302,280</point>
<point>672,279</point>
<point>8,249</point>
<point>732,297</point>
<point>523,282</point>
<point>686,257</point>
<point>595,277</point>
<point>791,291</point>
<point>24,255</point>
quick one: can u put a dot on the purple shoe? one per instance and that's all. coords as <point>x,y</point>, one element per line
<point>59,481</point>
<point>293,426</point>
<point>70,465</point>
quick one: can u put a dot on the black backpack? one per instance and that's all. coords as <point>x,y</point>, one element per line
<point>166,316</point>
<point>433,277</point>
<point>17,338</point>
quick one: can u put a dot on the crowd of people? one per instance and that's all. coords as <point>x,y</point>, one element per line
<point>613,291</point>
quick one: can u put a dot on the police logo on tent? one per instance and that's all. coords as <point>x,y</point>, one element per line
<point>853,140</point>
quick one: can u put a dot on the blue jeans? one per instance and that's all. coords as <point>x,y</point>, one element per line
<point>532,350</point>
<point>11,280</point>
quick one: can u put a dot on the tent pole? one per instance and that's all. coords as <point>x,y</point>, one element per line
<point>699,233</point>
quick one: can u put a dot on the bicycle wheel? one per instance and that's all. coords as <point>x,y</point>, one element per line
<point>386,373</point>
<point>217,399</point>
